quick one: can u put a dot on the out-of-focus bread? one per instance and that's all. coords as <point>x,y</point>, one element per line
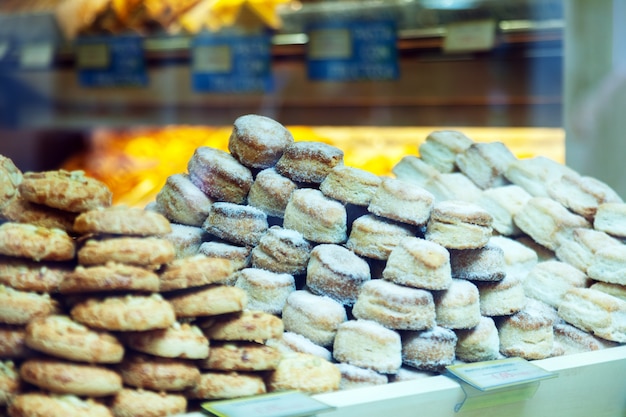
<point>582,194</point>
<point>611,219</point>
<point>503,203</point>
<point>534,174</point>
<point>485,163</point>
<point>441,148</point>
<point>413,169</point>
<point>609,265</point>
<point>580,248</point>
<point>548,281</point>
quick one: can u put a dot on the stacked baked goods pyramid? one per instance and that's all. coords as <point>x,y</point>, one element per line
<point>274,266</point>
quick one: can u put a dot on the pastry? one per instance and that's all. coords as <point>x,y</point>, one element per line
<point>236,223</point>
<point>375,237</point>
<point>194,271</point>
<point>457,224</point>
<point>308,161</point>
<point>441,148</point>
<point>485,163</point>
<point>266,290</point>
<point>318,218</point>
<point>111,277</point>
<point>350,185</point>
<point>36,243</point>
<point>270,192</point>
<point>180,340</point>
<point>210,300</point>
<point>429,350</point>
<point>122,220</point>
<point>402,201</point>
<point>304,373</point>
<point>182,202</point>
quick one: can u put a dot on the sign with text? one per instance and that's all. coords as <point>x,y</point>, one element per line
<point>353,50</point>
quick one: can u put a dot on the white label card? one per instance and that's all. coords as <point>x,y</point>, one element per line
<point>479,35</point>
<point>36,55</point>
<point>502,373</point>
<point>288,404</point>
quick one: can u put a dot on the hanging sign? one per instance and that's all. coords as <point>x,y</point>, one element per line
<point>353,50</point>
<point>231,62</point>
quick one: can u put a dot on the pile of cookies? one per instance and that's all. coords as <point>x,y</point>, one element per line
<point>274,266</point>
<point>99,314</point>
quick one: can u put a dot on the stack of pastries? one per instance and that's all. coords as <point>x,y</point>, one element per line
<point>274,266</point>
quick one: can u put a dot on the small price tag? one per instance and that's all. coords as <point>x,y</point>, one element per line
<point>287,404</point>
<point>36,55</point>
<point>330,44</point>
<point>479,35</point>
<point>496,374</point>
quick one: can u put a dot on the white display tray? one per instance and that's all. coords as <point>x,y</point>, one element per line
<point>591,384</point>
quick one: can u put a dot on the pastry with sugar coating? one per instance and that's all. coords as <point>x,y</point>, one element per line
<point>503,203</point>
<point>239,256</point>
<point>315,317</point>
<point>395,306</point>
<point>318,218</point>
<point>336,272</point>
<point>270,192</point>
<point>419,263</point>
<point>291,342</point>
<point>441,148</point>
<point>182,202</point>
<point>481,343</point>
<point>458,307</point>
<point>616,290</point>
<point>308,161</point>
<point>482,264</point>
<point>579,249</point>
<point>485,163</point>
<point>429,350</point>
<point>402,201</point>
<point>501,298</point>
<point>375,237</point>
<point>528,333</point>
<point>611,219</point>
<point>548,281</point>
<point>266,290</point>
<point>186,239</point>
<point>582,194</point>
<point>304,373</point>
<point>236,223</point>
<point>518,258</point>
<point>457,224</point>
<point>413,169</point>
<point>534,174</point>
<point>570,339</point>
<point>453,186</point>
<point>282,250</point>
<point>258,141</point>
<point>356,377</point>
<point>369,345</point>
<point>350,185</point>
<point>219,175</point>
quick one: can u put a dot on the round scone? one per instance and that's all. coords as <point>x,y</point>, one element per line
<point>485,163</point>
<point>402,201</point>
<point>356,377</point>
<point>26,275</point>
<point>37,243</point>
<point>221,385</point>
<point>375,237</point>
<point>608,265</point>
<point>42,404</point>
<point>258,141</point>
<point>194,271</point>
<point>186,239</point>
<point>336,272</point>
<point>501,298</point>
<point>60,336</point>
<point>457,224</point>
<point>20,307</point>
<point>529,333</point>
<point>243,356</point>
<point>570,339</point>
<point>270,192</point>
<point>305,373</point>
<point>182,202</point>
<point>181,340</point>
<point>419,263</point>
<point>395,306</point>
<point>429,350</point>
<point>10,178</point>
<point>548,281</point>
<point>350,185</point>
<point>141,251</point>
<point>458,307</point>
<point>291,342</point>
<point>131,402</point>
<point>266,290</point>
<point>19,210</point>
<point>236,223</point>
<point>68,377</point>
<point>219,175</point>
<point>110,277</point>
<point>122,220</point>
<point>248,325</point>
<point>482,264</point>
<point>239,256</point>
<point>10,382</point>
<point>65,190</point>
<point>158,374</point>
<point>315,317</point>
<point>317,217</point>
<point>210,300</point>
<point>125,313</point>
<point>369,345</point>
<point>282,250</point>
<point>441,148</point>
<point>308,161</point>
<point>482,343</point>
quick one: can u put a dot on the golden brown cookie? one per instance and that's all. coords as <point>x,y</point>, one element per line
<point>143,251</point>
<point>10,382</point>
<point>37,243</point>
<point>125,313</point>
<point>61,337</point>
<point>19,210</point>
<point>65,190</point>
<point>246,325</point>
<point>130,402</point>
<point>25,275</point>
<point>13,342</point>
<point>20,307</point>
<point>194,271</point>
<point>181,340</point>
<point>208,301</point>
<point>10,178</point>
<point>306,373</point>
<point>241,356</point>
<point>122,220</point>
<point>110,277</point>
<point>42,404</point>
<point>66,377</point>
<point>215,385</point>
<point>159,374</point>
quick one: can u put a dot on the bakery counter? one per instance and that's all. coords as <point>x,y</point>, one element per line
<point>586,384</point>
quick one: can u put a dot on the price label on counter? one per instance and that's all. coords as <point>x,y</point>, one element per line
<point>36,55</point>
<point>470,36</point>
<point>231,62</point>
<point>353,50</point>
<point>287,404</point>
<point>114,61</point>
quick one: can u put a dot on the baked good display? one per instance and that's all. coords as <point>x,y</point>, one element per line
<point>265,290</point>
<point>395,306</point>
<point>350,185</point>
<point>182,202</point>
<point>305,373</point>
<point>270,192</point>
<point>282,250</point>
<point>402,201</point>
<point>318,218</point>
<point>258,141</point>
<point>441,147</point>
<point>375,237</point>
<point>336,272</point>
<point>548,281</point>
<point>236,223</point>
<point>308,161</point>
<point>458,306</point>
<point>429,350</point>
<point>36,243</point>
<point>458,224</point>
<point>485,163</point>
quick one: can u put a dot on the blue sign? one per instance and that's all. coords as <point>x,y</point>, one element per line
<point>111,61</point>
<point>353,50</point>
<point>231,62</point>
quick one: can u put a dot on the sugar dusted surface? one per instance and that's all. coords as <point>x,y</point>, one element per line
<point>341,260</point>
